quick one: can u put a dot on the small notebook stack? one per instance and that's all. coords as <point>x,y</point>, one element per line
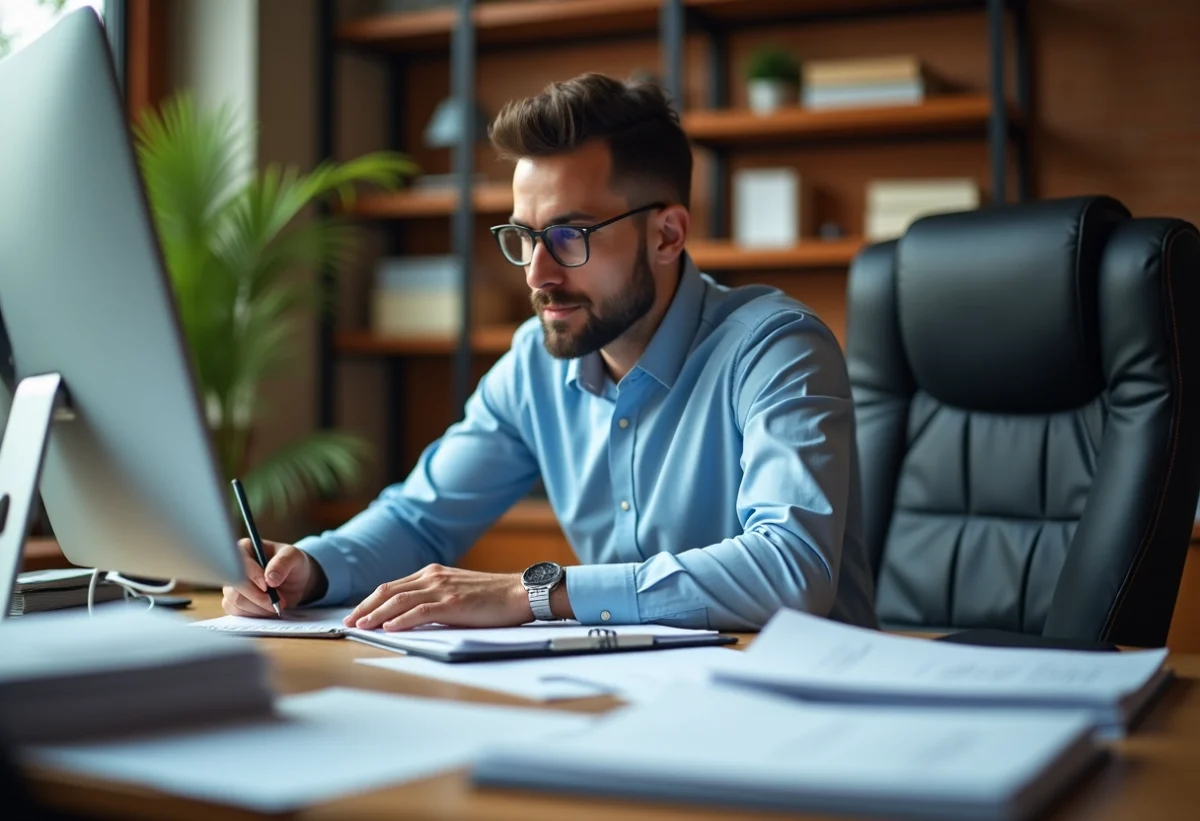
<point>67,676</point>
<point>41,590</point>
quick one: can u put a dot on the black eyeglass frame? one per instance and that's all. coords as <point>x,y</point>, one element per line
<point>586,230</point>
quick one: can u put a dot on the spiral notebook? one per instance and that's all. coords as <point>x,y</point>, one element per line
<point>451,644</point>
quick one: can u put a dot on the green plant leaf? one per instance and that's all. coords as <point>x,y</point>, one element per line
<point>322,463</point>
<point>244,248</point>
<point>773,63</point>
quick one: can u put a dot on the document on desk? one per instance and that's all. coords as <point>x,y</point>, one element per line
<point>451,644</point>
<point>632,677</point>
<point>716,745</point>
<point>816,658</point>
<point>321,746</point>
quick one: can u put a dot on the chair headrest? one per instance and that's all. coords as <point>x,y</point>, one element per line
<point>997,307</point>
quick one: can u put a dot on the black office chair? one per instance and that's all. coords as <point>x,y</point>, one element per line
<point>1026,382</point>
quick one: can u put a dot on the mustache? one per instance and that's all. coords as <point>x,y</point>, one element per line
<point>544,299</point>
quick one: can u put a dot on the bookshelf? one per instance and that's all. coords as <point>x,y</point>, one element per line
<point>483,44</point>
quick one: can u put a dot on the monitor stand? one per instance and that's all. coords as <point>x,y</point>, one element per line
<point>37,402</point>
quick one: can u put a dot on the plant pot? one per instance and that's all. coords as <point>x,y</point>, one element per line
<point>766,96</point>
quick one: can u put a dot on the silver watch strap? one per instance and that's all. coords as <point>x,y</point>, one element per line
<point>539,603</point>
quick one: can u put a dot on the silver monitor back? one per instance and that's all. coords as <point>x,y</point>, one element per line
<point>132,483</point>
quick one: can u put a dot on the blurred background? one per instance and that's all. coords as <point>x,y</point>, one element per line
<point>352,338</point>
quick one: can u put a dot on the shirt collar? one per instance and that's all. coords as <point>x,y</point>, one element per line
<point>668,349</point>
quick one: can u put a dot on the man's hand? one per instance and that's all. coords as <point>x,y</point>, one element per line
<point>445,595</point>
<point>294,574</point>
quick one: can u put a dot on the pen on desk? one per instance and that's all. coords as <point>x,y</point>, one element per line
<point>255,540</point>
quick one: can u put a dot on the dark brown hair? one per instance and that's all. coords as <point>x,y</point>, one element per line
<point>651,155</point>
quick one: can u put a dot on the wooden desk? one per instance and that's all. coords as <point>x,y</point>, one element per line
<point>1153,774</point>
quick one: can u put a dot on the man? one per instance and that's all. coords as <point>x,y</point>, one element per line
<point>696,442</point>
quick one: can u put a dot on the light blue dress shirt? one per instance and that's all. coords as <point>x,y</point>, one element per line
<point>715,484</point>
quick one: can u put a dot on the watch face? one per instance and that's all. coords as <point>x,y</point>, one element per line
<point>540,574</point>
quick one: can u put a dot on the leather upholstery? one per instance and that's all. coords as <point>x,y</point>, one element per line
<point>1025,380</point>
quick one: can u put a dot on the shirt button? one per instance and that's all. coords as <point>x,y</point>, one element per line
<point>624,505</point>
<point>605,615</point>
<point>624,423</point>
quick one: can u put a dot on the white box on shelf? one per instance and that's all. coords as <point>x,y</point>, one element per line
<point>771,208</point>
<point>420,296</point>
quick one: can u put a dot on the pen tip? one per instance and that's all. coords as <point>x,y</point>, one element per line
<point>278,611</point>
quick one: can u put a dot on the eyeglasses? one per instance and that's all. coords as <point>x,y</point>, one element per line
<point>568,244</point>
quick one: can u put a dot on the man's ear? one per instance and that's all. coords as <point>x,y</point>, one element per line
<point>673,223</point>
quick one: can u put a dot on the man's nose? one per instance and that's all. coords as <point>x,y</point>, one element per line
<point>543,271</point>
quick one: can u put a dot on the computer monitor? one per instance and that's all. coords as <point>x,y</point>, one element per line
<point>129,479</point>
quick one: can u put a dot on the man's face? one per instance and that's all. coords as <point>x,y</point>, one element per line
<point>583,309</point>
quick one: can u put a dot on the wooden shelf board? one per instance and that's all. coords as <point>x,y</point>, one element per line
<point>489,198</point>
<point>812,253</point>
<point>527,514</point>
<point>774,11</point>
<point>487,340</point>
<point>556,21</point>
<point>519,21</point>
<point>941,114</point>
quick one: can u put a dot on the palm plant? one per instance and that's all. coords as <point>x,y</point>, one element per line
<point>244,272</point>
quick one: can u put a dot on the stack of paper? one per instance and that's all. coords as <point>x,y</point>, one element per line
<point>41,590</point>
<point>803,655</point>
<point>713,745</point>
<point>320,746</point>
<point>68,675</point>
<point>449,644</point>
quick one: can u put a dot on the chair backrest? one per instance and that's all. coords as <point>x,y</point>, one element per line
<point>1026,381</point>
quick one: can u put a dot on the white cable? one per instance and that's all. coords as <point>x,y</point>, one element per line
<point>137,590</point>
<point>140,587</point>
<point>92,588</point>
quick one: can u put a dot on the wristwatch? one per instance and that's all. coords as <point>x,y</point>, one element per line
<point>539,579</point>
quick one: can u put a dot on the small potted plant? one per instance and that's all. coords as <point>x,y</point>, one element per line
<point>773,79</point>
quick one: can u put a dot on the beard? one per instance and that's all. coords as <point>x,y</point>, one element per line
<point>605,323</point>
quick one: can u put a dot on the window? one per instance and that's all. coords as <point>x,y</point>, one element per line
<point>22,21</point>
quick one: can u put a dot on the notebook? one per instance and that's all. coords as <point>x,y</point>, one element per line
<point>450,644</point>
<point>713,745</point>
<point>37,591</point>
<point>815,658</point>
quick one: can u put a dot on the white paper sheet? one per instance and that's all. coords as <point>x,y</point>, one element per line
<point>813,657</point>
<point>635,676</point>
<point>703,743</point>
<point>317,622</point>
<point>801,647</point>
<point>325,744</point>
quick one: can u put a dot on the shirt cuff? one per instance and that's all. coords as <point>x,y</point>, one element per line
<point>603,593</point>
<point>335,561</point>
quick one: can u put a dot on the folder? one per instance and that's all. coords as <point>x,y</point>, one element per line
<point>448,644</point>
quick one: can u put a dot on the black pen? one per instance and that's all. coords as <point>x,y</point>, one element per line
<point>255,540</point>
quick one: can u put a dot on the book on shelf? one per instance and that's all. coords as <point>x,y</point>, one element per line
<point>893,205</point>
<point>867,82</point>
<point>422,296</point>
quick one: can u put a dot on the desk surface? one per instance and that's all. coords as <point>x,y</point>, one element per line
<point>1154,774</point>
